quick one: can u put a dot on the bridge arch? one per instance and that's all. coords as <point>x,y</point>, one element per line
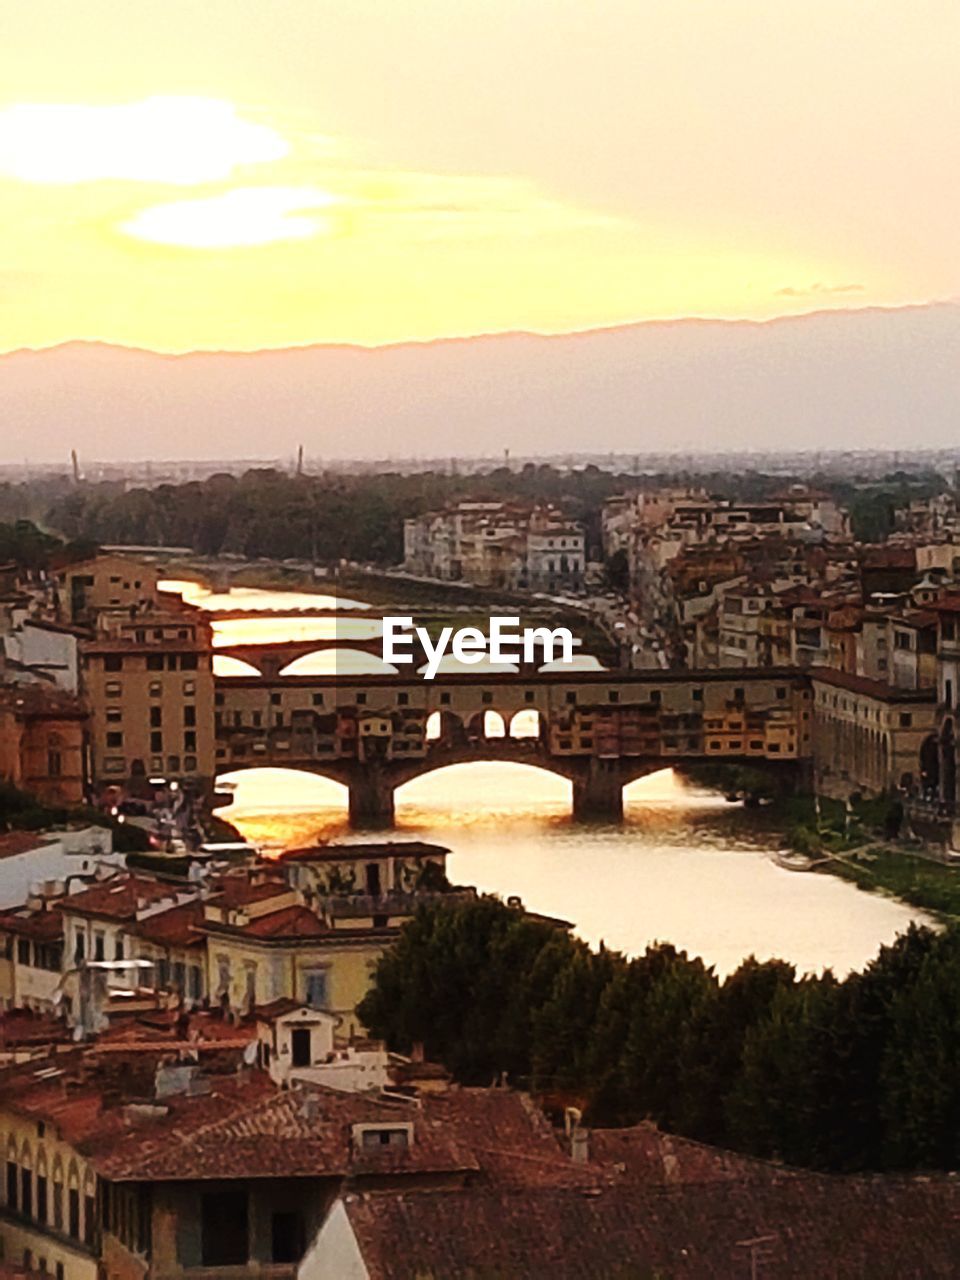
<point>343,661</point>
<point>525,723</point>
<point>224,664</point>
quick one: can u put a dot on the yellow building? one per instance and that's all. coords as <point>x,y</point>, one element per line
<point>263,945</point>
<point>49,1200</point>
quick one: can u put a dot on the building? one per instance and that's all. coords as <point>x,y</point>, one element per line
<point>105,584</point>
<point>42,743</point>
<point>868,736</point>
<point>497,544</point>
<point>149,683</point>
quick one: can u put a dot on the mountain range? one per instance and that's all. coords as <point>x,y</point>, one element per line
<point>873,378</point>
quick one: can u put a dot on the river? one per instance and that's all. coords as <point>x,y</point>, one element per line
<point>685,867</point>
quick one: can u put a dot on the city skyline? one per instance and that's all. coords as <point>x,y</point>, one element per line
<point>240,177</point>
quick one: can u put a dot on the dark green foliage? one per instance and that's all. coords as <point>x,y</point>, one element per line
<point>851,1075</point>
<point>20,811</point>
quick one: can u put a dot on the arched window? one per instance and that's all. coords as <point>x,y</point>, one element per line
<point>57,1206</point>
<point>26,1180</point>
<point>13,1175</point>
<point>43,1208</point>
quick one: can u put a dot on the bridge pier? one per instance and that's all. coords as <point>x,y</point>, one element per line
<point>371,799</point>
<point>598,792</point>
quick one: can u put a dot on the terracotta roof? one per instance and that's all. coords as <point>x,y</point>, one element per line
<point>40,701</point>
<point>643,1154</point>
<point>13,843</point>
<point>844,1229</point>
<point>178,927</point>
<point>237,891</point>
<point>21,1028</point>
<point>290,922</point>
<point>871,688</point>
<point>120,897</point>
<point>43,925</point>
<point>247,1128</point>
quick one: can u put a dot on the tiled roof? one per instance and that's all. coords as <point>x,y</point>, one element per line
<point>871,688</point>
<point>13,843</point>
<point>238,891</point>
<point>120,897</point>
<point>45,925</point>
<point>178,927</point>
<point>643,1154</point>
<point>290,922</point>
<point>248,1128</point>
<point>844,1229</point>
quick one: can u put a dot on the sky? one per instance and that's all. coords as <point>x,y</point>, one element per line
<point>231,174</point>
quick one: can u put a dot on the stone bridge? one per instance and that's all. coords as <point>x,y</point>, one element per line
<point>601,730</point>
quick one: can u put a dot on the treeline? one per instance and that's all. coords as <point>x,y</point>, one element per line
<point>266,512</point>
<point>859,1074</point>
<point>272,513</point>
<point>23,544</point>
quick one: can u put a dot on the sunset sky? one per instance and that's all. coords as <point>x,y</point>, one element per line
<point>178,174</point>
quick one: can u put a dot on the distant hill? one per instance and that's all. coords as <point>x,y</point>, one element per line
<point>872,378</point>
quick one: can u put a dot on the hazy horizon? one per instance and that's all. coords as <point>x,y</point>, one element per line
<point>872,378</point>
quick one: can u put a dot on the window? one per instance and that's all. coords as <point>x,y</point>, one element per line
<point>698,695</point>
<point>188,662</point>
<point>23,951</point>
<point>403,699</point>
<point>906,719</point>
<point>361,699</point>
<point>613,695</point>
<point>316,988</point>
<point>373,1139</point>
<point>156,717</point>
<point>571,698</point>
<point>781,693</point>
<point>41,1198</point>
<point>195,982</point>
<point>79,946</point>
<point>275,699</point>
<point>114,739</point>
<point>13,1184</point>
<point>528,695</point>
<point>444,699</point>
<point>156,688</point>
<point>113,688</point>
<point>189,715</point>
<point>118,949</point>
<point>26,1192</point>
<point>98,945</point>
<point>224,1229</point>
<point>287,1236</point>
<point>190,740</point>
<point>114,715</point>
<point>190,764</point>
<point>154,661</point>
<point>89,1220</point>
<point>189,688</point>
<point>156,742</point>
<point>113,662</point>
<point>318,699</point>
<point>173,764</point>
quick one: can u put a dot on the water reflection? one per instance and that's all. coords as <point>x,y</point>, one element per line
<point>265,598</point>
<point>685,867</point>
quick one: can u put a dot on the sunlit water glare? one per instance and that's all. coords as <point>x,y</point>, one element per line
<point>686,867</point>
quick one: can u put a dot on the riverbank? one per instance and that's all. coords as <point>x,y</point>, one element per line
<point>904,874</point>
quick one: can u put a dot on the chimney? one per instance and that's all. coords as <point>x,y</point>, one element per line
<point>580,1145</point>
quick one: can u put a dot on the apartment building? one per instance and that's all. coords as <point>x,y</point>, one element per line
<point>103,584</point>
<point>497,544</point>
<point>149,682</point>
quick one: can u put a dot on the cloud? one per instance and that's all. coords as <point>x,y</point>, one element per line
<point>819,290</point>
<point>179,140</point>
<point>241,217</point>
<point>387,205</point>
